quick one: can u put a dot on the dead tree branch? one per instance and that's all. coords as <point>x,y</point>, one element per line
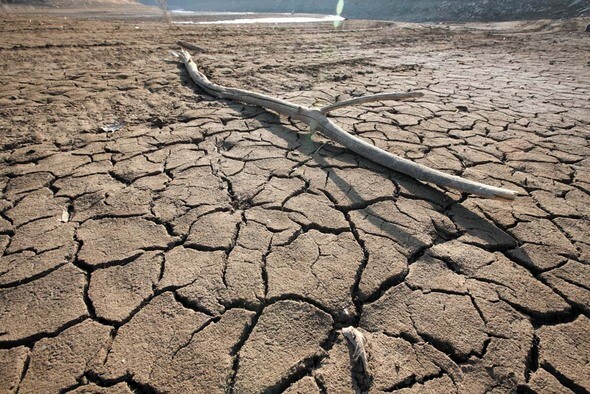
<point>317,120</point>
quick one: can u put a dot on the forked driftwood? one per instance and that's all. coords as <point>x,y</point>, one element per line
<point>317,120</point>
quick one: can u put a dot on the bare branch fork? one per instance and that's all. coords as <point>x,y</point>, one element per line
<point>317,120</point>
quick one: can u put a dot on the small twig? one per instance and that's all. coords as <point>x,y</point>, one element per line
<point>318,149</point>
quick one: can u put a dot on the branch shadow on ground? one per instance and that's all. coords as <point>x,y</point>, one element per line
<point>467,221</point>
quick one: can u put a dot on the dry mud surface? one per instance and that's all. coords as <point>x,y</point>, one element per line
<point>212,247</point>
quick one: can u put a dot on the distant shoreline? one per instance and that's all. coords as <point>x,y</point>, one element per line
<point>253,18</point>
<point>402,10</point>
<point>131,10</point>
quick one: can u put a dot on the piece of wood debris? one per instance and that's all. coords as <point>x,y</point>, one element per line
<point>317,120</point>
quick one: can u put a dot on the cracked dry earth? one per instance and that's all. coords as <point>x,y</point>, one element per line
<point>213,247</point>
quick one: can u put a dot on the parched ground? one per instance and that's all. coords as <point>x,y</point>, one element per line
<point>211,247</point>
